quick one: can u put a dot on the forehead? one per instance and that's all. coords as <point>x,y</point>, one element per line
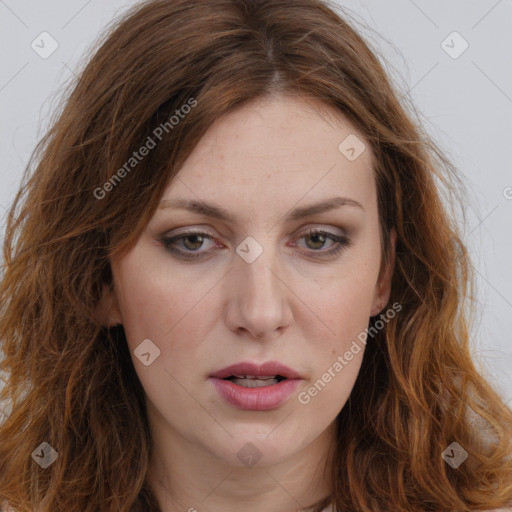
<point>275,151</point>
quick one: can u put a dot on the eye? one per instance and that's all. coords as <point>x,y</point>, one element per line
<point>191,241</point>
<point>318,238</point>
<point>188,245</point>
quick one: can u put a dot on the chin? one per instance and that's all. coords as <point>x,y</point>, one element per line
<point>260,446</point>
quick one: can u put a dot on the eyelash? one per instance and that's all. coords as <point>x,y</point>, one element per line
<point>341,243</point>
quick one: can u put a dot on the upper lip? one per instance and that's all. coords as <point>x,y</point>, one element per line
<point>267,369</point>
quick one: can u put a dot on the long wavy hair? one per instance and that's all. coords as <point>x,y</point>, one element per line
<point>69,379</point>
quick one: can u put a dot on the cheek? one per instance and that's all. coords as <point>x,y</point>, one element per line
<point>338,356</point>
<point>344,303</point>
<point>330,389</point>
<point>173,311</point>
<point>344,296</point>
<point>152,302</point>
<point>145,308</point>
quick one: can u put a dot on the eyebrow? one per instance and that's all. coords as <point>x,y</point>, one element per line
<point>217,212</point>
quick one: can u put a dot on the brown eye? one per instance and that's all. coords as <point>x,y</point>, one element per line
<point>197,241</point>
<point>318,238</point>
<point>187,245</point>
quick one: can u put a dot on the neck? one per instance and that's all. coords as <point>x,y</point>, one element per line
<point>184,477</point>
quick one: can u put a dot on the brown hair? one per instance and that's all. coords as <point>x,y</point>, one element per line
<point>70,380</point>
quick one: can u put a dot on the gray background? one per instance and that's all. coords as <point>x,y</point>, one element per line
<point>465,103</point>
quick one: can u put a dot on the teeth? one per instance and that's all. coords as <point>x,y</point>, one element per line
<point>255,377</point>
<point>251,382</point>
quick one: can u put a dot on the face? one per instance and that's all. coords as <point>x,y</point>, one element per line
<point>253,260</point>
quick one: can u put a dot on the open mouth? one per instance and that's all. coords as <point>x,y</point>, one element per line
<point>251,381</point>
<point>252,386</point>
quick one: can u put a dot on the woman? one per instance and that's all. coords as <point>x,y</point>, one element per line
<point>230,283</point>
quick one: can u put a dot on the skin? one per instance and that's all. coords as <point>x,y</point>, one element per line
<point>291,305</point>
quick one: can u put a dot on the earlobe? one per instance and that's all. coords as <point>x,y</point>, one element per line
<point>383,287</point>
<point>107,310</point>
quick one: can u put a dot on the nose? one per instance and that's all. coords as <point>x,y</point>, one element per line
<point>258,302</point>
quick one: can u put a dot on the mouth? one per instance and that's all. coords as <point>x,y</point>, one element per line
<point>256,387</point>
<point>252,381</point>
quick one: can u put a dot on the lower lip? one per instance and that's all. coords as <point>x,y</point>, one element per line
<point>264,398</point>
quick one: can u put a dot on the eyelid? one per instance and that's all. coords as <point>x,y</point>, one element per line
<point>301,231</point>
<point>328,228</point>
<point>341,242</point>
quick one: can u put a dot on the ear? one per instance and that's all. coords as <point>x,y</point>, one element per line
<point>383,286</point>
<point>107,310</point>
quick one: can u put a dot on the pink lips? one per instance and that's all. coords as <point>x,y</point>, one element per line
<point>259,398</point>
